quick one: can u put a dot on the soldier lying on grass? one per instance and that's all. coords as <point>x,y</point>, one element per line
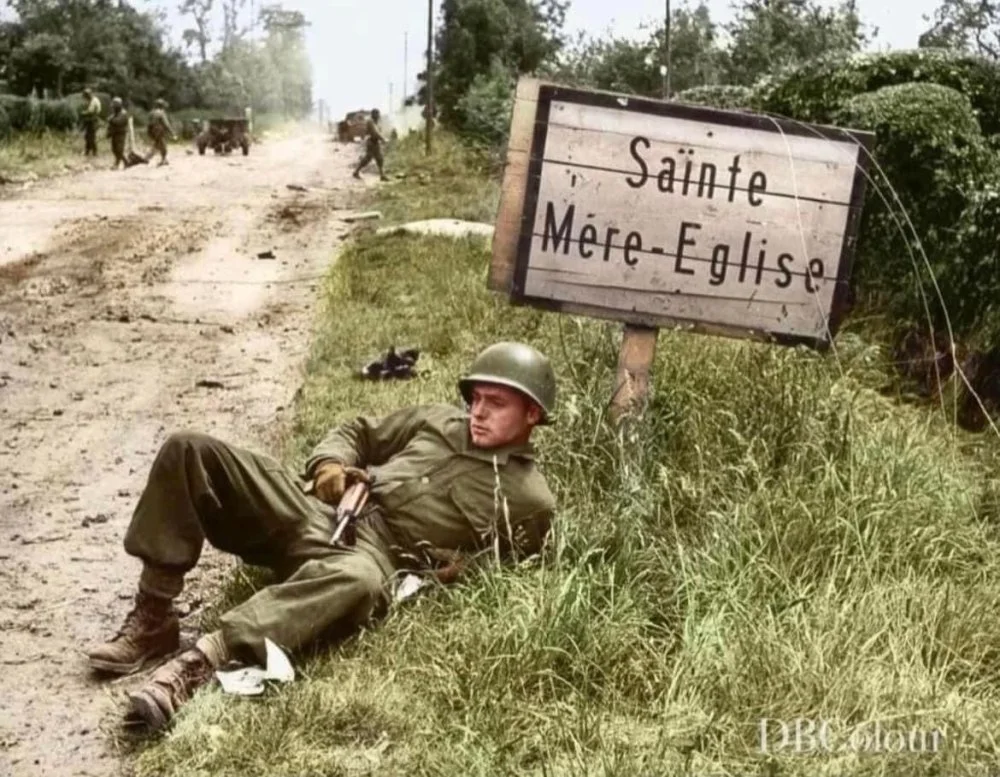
<point>433,471</point>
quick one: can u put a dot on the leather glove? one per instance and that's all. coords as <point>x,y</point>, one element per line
<point>332,479</point>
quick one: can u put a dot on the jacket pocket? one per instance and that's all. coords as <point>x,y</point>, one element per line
<point>477,507</point>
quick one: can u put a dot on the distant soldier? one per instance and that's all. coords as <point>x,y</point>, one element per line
<point>157,129</point>
<point>118,131</point>
<point>91,116</point>
<point>373,145</point>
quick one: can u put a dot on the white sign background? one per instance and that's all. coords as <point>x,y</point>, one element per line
<point>688,214</point>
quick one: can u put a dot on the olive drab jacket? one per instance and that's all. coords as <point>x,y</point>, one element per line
<point>118,125</point>
<point>92,113</point>
<point>373,136</point>
<point>158,125</point>
<point>433,486</point>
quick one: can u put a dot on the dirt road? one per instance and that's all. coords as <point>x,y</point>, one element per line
<point>134,304</point>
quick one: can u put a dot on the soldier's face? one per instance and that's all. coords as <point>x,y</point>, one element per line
<point>499,416</point>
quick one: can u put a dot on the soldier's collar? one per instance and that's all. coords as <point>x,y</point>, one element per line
<point>520,451</point>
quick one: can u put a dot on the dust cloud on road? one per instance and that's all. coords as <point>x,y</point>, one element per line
<point>134,304</point>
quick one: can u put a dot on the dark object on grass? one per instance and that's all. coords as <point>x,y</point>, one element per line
<point>393,365</point>
<point>133,159</point>
<point>924,360</point>
<point>982,371</point>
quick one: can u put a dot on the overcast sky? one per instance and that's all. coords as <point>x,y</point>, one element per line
<point>357,46</point>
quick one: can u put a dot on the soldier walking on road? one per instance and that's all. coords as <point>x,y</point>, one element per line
<point>373,145</point>
<point>158,128</point>
<point>118,131</point>
<point>434,475</point>
<point>91,115</point>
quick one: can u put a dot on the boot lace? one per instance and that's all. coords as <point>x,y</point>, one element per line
<point>141,618</point>
<point>188,671</point>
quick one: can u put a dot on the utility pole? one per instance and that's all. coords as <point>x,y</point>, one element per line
<point>666,35</point>
<point>430,73</point>
<point>406,57</point>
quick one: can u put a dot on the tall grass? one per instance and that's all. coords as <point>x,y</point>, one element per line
<point>774,540</point>
<point>42,154</point>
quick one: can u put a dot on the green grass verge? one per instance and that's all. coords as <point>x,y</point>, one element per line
<point>44,155</point>
<point>775,540</point>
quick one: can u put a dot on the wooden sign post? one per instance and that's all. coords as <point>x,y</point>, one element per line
<point>660,214</point>
<point>635,362</point>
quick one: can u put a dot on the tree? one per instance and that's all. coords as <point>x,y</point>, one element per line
<point>966,25</point>
<point>39,64</point>
<point>478,36</point>
<point>696,58</point>
<point>69,44</point>
<point>285,46</point>
<point>231,30</point>
<point>65,45</point>
<point>272,76</point>
<point>12,35</point>
<point>633,66</point>
<point>769,35</point>
<point>200,12</point>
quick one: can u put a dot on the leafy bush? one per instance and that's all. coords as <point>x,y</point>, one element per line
<point>721,96</point>
<point>973,282</point>
<point>27,114</point>
<point>816,90</point>
<point>24,113</point>
<point>5,128</point>
<point>485,108</point>
<point>929,145</point>
<point>58,115</point>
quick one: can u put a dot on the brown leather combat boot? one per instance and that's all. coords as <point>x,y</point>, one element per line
<point>171,685</point>
<point>150,631</point>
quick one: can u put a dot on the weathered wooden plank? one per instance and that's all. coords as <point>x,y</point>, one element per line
<point>673,131</point>
<point>699,171</point>
<point>663,232</point>
<point>515,181</point>
<point>602,200</point>
<point>725,283</point>
<point>659,309</point>
<point>650,321</point>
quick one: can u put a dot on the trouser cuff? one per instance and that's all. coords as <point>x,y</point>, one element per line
<point>214,647</point>
<point>159,582</point>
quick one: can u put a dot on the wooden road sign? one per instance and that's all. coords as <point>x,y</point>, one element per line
<point>658,214</point>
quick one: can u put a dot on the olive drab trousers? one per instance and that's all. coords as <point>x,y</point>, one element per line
<point>159,144</point>
<point>373,153</point>
<point>90,137</point>
<point>201,488</point>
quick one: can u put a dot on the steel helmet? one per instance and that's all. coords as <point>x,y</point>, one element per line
<point>516,365</point>
<point>161,103</point>
<point>116,101</point>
